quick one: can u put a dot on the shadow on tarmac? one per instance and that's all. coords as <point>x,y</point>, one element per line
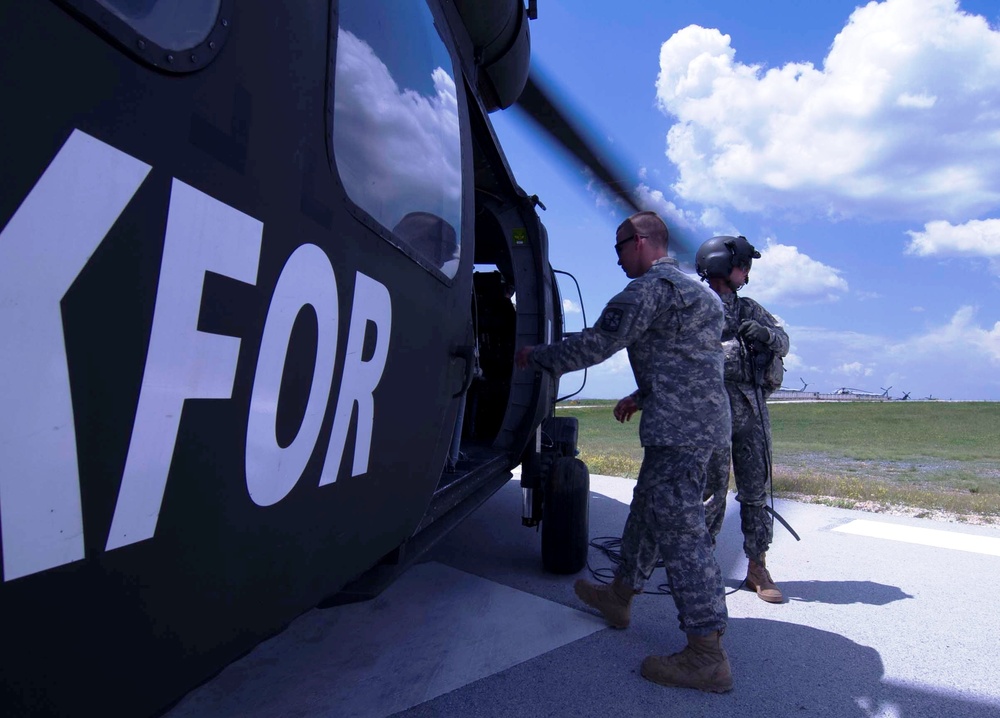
<point>779,669</point>
<point>805,671</point>
<point>842,592</point>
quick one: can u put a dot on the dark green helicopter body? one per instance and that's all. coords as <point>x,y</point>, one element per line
<point>244,303</point>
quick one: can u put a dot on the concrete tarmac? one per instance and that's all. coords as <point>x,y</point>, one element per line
<point>885,616</point>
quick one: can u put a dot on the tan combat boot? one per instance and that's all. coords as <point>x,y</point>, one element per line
<point>702,665</point>
<point>759,580</point>
<point>613,600</point>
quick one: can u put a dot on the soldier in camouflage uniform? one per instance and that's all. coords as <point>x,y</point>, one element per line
<point>752,340</point>
<point>670,326</point>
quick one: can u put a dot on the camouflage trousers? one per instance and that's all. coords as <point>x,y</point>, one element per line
<point>750,455</point>
<point>667,520</point>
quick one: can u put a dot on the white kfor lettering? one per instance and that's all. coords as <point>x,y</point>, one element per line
<point>58,227</point>
<point>43,248</point>
<point>202,235</point>
<point>371,304</point>
<point>272,471</point>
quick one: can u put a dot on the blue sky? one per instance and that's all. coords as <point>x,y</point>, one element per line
<point>858,147</point>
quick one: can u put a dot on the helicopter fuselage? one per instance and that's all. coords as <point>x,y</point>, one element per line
<point>237,257</point>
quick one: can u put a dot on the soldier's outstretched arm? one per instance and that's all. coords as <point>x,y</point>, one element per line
<point>623,320</point>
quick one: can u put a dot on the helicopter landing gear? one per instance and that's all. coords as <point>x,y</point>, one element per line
<point>556,490</point>
<point>566,516</point>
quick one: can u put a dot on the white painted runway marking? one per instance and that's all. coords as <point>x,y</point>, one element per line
<point>434,630</point>
<point>925,537</point>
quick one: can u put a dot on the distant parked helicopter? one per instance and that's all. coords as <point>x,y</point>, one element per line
<point>844,390</point>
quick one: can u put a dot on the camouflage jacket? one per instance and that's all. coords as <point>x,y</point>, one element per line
<point>671,326</point>
<point>738,309</point>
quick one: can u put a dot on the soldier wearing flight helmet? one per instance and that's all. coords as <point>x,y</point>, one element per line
<point>754,343</point>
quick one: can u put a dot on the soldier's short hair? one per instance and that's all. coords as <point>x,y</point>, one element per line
<point>648,224</point>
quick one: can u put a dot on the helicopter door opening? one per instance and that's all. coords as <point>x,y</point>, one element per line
<point>493,326</point>
<point>494,320</point>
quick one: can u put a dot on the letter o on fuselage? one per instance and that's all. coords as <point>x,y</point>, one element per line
<point>272,471</point>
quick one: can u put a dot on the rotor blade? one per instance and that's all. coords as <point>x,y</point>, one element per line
<point>538,103</point>
<point>542,106</point>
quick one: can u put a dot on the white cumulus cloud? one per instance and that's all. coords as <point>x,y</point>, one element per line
<point>962,335</point>
<point>855,369</point>
<point>397,150</point>
<point>980,238</point>
<point>784,273</point>
<point>900,121</point>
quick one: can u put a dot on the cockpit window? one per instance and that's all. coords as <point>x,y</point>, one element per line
<point>396,131</point>
<point>171,24</point>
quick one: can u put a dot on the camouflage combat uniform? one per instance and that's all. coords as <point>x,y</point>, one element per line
<point>671,326</point>
<point>751,433</point>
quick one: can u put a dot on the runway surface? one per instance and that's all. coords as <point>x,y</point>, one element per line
<point>885,616</point>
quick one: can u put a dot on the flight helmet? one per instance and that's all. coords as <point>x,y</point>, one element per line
<point>718,256</point>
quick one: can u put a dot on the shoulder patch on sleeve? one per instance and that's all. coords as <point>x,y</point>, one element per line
<point>611,320</point>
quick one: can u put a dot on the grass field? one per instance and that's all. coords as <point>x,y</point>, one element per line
<point>924,458</point>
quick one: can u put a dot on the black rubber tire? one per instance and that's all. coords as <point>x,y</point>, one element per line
<point>566,517</point>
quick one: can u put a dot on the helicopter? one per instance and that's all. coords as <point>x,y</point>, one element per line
<point>256,267</point>
<point>797,391</point>
<point>847,391</point>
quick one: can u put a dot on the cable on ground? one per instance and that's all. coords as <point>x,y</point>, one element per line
<point>611,548</point>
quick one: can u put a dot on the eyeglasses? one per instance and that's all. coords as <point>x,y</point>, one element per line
<point>619,245</point>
